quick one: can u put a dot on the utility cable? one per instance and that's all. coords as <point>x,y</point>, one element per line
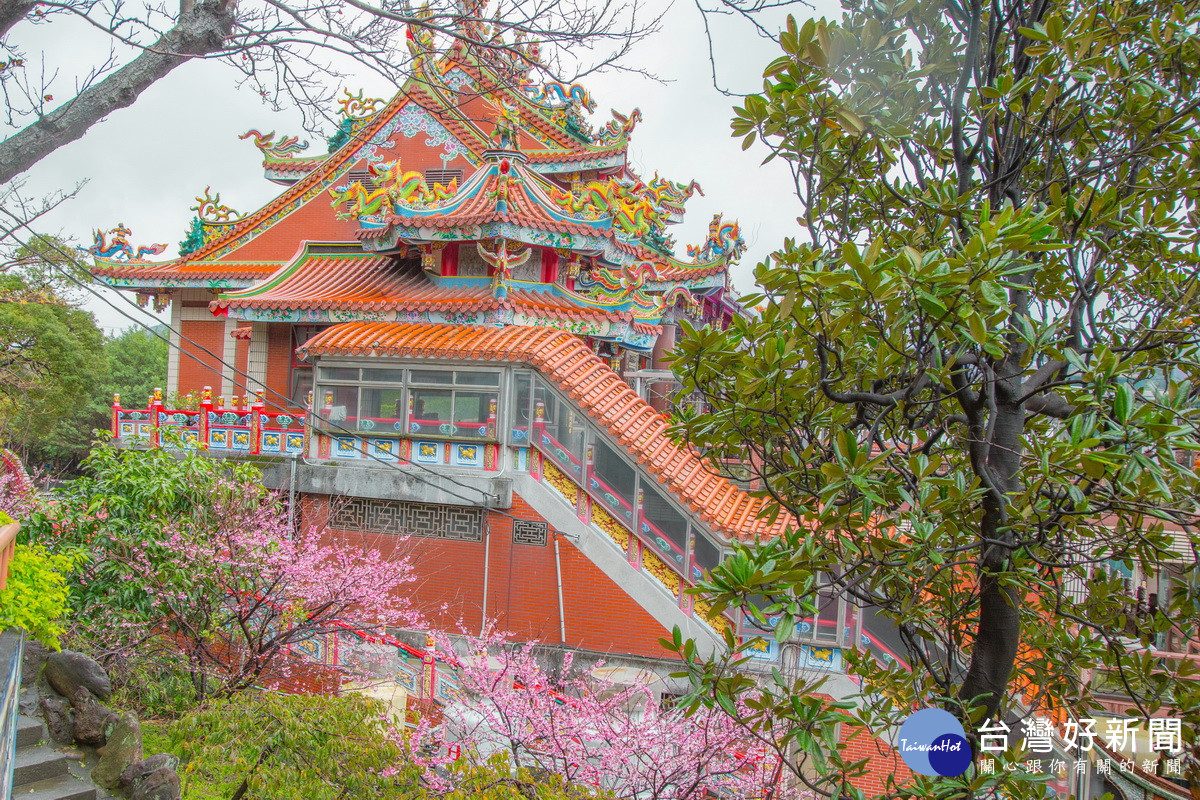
<point>310,415</point>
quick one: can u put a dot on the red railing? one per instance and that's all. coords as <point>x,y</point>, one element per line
<point>8,549</point>
<point>247,425</point>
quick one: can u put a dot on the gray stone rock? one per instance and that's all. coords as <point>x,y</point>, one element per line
<point>32,661</point>
<point>60,719</point>
<point>68,670</point>
<point>162,784</point>
<point>136,772</point>
<point>124,748</point>
<point>91,718</point>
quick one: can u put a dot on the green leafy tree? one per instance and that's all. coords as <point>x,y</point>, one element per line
<point>973,380</point>
<point>264,744</point>
<point>35,595</point>
<point>50,357</point>
<point>298,747</point>
<point>136,362</point>
<point>125,503</point>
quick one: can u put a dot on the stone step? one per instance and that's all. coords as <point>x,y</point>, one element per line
<point>29,731</point>
<point>35,764</point>
<point>64,787</point>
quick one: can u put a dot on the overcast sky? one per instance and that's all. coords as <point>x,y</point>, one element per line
<point>145,165</point>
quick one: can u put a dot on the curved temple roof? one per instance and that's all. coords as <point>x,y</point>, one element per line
<point>378,283</point>
<point>607,399</point>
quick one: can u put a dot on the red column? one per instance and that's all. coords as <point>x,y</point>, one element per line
<point>206,407</point>
<point>156,407</point>
<point>256,424</point>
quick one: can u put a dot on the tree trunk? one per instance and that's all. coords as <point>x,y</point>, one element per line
<point>998,631</point>
<point>201,29</point>
<point>12,12</point>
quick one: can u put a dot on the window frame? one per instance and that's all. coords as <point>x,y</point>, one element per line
<point>405,384</point>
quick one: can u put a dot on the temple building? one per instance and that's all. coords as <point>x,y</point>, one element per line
<point>447,338</point>
<point>453,325</point>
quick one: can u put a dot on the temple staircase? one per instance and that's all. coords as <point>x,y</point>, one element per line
<point>41,772</point>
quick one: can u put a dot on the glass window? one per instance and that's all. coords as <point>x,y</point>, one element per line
<point>563,430</point>
<point>522,396</point>
<point>705,554</point>
<point>477,378</point>
<point>339,374</point>
<point>436,377</point>
<point>663,526</point>
<point>471,413</point>
<point>826,624</point>
<point>381,409</point>
<point>612,479</point>
<point>383,375</point>
<point>339,404</point>
<point>432,411</point>
<point>302,383</point>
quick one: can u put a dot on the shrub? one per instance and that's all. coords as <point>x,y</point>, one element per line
<point>36,596</point>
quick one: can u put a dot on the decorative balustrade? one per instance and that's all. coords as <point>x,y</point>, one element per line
<point>625,520</point>
<point>8,549</point>
<point>243,425</point>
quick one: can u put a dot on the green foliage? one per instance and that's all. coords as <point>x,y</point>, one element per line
<point>305,747</point>
<point>36,595</point>
<point>159,687</point>
<point>341,135</point>
<point>51,361</point>
<point>974,381</point>
<point>123,504</point>
<point>194,239</point>
<point>309,747</point>
<point>58,373</point>
<point>135,363</point>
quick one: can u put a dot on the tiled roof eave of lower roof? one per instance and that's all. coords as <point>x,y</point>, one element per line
<point>473,305</point>
<point>186,272</point>
<point>565,360</point>
<point>551,156</point>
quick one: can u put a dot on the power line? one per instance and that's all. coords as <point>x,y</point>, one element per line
<point>487,496</point>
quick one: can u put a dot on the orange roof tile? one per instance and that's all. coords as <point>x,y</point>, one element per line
<point>548,156</point>
<point>608,400</point>
<point>683,272</point>
<point>384,283</point>
<point>189,270</point>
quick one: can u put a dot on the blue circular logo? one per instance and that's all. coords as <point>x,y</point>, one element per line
<point>933,742</point>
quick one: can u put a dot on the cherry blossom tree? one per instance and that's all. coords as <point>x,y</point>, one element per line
<point>191,565</point>
<point>237,594</point>
<point>593,735</point>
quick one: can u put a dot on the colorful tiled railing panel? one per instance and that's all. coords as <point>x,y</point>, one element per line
<point>243,427</point>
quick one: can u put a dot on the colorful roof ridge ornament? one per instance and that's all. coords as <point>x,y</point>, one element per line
<point>210,209</point>
<point>553,94</point>
<point>211,221</point>
<point>357,112</point>
<point>508,127</point>
<point>395,188</point>
<point>118,247</point>
<point>286,148</point>
<point>418,36</point>
<point>724,242</point>
<point>619,127</point>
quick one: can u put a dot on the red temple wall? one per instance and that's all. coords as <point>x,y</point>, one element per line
<point>317,219</point>
<point>522,587</point>
<point>197,368</point>
<point>279,365</point>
